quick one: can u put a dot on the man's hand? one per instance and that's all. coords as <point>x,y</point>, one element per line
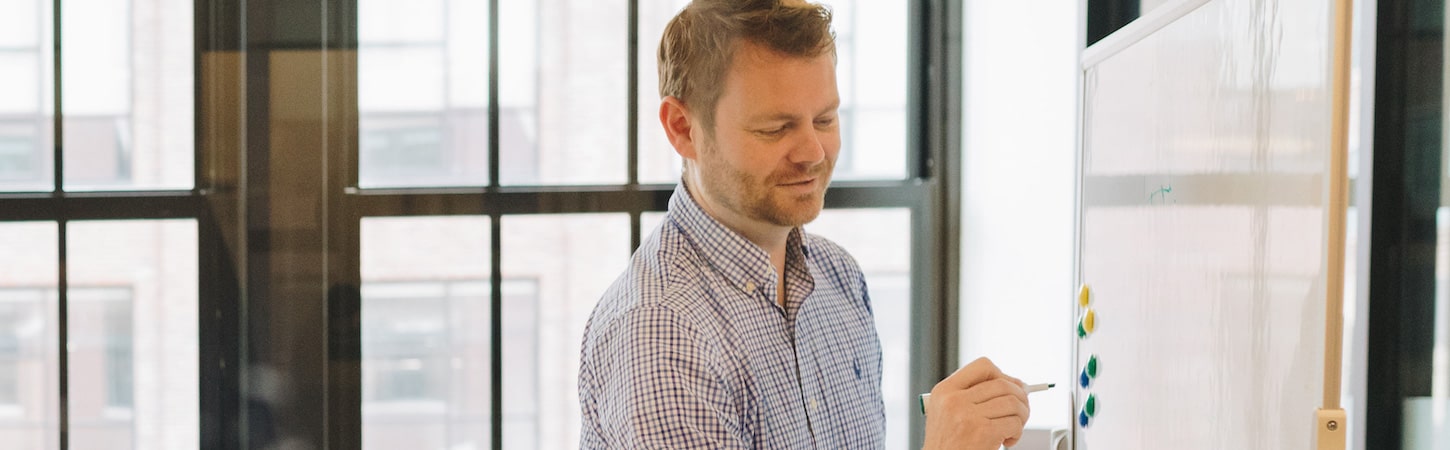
<point>978,407</point>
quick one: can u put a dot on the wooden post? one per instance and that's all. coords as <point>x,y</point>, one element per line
<point>1330,420</point>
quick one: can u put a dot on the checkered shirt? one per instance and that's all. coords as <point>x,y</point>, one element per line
<point>690,349</point>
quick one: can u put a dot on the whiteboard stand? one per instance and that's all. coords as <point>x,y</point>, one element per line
<point>1330,421</point>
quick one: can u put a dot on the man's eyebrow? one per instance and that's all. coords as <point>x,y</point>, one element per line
<point>835,105</point>
<point>772,117</point>
<point>786,117</point>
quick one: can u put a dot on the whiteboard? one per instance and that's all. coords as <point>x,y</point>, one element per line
<point>1201,227</point>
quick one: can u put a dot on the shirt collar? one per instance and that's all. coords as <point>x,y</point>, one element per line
<point>743,263</point>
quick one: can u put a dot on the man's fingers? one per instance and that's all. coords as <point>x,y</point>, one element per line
<point>1015,380</point>
<point>995,388</point>
<point>1004,407</point>
<point>1008,428</point>
<point>970,375</point>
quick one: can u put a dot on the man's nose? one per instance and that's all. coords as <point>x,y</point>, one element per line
<point>811,149</point>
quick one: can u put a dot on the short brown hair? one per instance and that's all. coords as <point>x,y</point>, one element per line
<point>699,43</point>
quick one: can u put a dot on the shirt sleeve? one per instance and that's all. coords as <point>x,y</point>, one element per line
<point>647,381</point>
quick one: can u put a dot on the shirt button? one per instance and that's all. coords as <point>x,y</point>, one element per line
<point>813,404</point>
<point>750,287</point>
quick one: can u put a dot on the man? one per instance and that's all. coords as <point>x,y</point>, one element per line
<point>732,328</point>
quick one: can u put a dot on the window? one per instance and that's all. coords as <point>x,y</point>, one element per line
<point>112,332</point>
<point>425,359</point>
<point>24,79</point>
<point>562,94</point>
<point>422,93</point>
<point>127,94</point>
<point>132,333</point>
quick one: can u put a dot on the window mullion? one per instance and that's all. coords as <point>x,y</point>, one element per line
<point>495,328</point>
<point>58,179</point>
<point>632,121</point>
<point>493,107</point>
<point>62,336</point>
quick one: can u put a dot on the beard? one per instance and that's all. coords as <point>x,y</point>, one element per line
<point>758,197</point>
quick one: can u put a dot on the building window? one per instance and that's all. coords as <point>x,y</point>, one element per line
<point>17,158</point>
<point>101,337</point>
<point>12,316</point>
<point>22,329</point>
<point>116,326</point>
<point>406,340</point>
<point>415,337</point>
<point>402,149</point>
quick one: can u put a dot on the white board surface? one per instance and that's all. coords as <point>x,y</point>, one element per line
<point>1201,228</point>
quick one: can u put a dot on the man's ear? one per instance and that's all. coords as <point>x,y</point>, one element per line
<point>676,119</point>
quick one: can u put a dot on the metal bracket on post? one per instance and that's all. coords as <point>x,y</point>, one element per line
<point>1329,425</point>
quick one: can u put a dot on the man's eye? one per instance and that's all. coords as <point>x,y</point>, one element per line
<point>775,131</point>
<point>823,123</point>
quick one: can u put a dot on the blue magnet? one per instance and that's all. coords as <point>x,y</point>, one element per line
<point>1083,380</point>
<point>1082,419</point>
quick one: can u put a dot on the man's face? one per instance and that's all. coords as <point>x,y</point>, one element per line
<point>776,137</point>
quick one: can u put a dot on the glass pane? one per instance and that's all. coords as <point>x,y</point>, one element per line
<point>29,391</point>
<point>132,334</point>
<point>422,93</point>
<point>648,222</point>
<point>425,339</point>
<point>568,260</point>
<point>658,162</point>
<point>25,32</point>
<point>128,98</point>
<point>871,75</point>
<point>880,241</point>
<point>26,161</point>
<point>563,91</point>
<point>871,72</point>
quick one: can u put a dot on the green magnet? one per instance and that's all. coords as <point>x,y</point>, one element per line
<point>1081,333</point>
<point>1092,366</point>
<point>1091,408</point>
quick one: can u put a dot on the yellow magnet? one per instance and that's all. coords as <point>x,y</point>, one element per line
<point>1086,325</point>
<point>1083,295</point>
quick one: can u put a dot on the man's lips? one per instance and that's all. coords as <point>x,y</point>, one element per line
<point>799,182</point>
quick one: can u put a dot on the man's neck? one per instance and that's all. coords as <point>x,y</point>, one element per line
<point>769,237</point>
